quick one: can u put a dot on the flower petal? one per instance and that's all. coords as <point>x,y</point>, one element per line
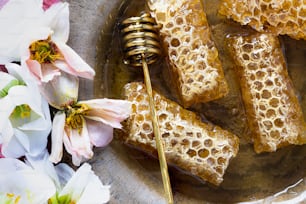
<point>61,91</point>
<point>108,111</point>
<point>41,124</point>
<point>20,95</point>
<point>37,141</point>
<point>17,17</point>
<point>6,131</point>
<point>10,164</point>
<point>73,64</point>
<point>35,68</point>
<point>30,185</point>
<point>78,144</point>
<point>95,192</point>
<point>57,137</point>
<point>49,71</point>
<point>77,183</point>
<point>57,17</point>
<point>28,94</point>
<point>15,146</point>
<point>22,75</point>
<point>64,173</point>
<point>83,185</point>
<point>42,164</point>
<point>31,135</point>
<point>44,72</point>
<point>99,133</point>
<point>31,143</point>
<point>5,80</point>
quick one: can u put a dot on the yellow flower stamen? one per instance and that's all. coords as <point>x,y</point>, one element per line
<point>44,51</point>
<point>75,116</point>
<point>17,200</point>
<point>13,197</point>
<point>10,195</point>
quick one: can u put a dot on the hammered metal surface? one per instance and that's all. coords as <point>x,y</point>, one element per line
<point>134,178</point>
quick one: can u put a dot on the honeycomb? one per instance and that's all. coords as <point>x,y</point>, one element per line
<point>201,149</point>
<point>276,16</point>
<point>273,111</point>
<point>194,64</point>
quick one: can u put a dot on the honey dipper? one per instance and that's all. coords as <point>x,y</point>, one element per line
<point>141,48</point>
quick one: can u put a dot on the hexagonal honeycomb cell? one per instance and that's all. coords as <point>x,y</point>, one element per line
<point>194,64</point>
<point>273,111</point>
<point>201,149</point>
<point>285,17</point>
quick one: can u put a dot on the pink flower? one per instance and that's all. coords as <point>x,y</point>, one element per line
<point>45,52</point>
<point>54,65</point>
<point>47,58</point>
<point>84,125</point>
<point>49,3</point>
<point>18,18</point>
<point>38,40</point>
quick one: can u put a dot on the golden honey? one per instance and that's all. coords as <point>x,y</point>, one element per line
<point>201,149</point>
<point>249,176</point>
<point>197,74</point>
<point>284,17</point>
<point>273,112</point>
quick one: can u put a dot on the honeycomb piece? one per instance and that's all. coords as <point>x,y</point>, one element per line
<point>203,150</point>
<point>285,17</point>
<point>194,65</point>
<point>273,111</point>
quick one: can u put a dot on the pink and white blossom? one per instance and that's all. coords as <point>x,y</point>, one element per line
<point>29,30</point>
<point>86,124</point>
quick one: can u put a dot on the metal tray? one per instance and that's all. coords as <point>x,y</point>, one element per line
<point>134,177</point>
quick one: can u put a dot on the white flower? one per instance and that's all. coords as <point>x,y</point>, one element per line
<point>19,17</point>
<point>80,187</point>
<point>55,66</point>
<point>25,117</point>
<point>84,187</point>
<point>38,39</point>
<point>84,125</point>
<point>38,182</point>
<point>21,184</point>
